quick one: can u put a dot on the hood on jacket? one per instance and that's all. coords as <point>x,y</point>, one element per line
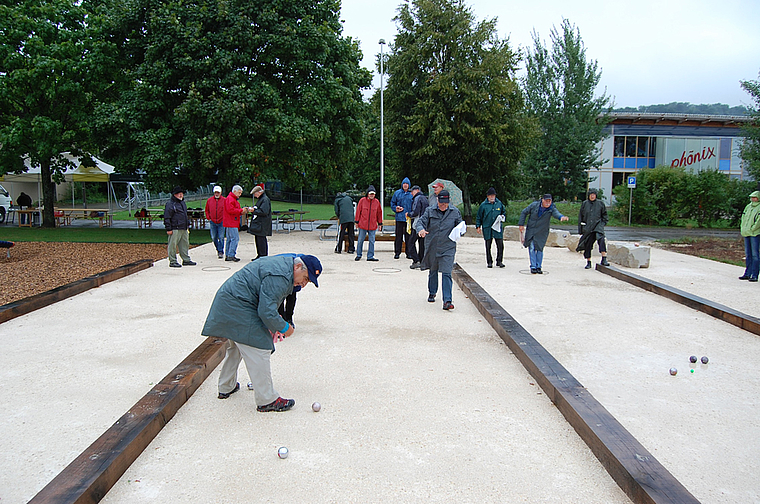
<point>406,181</point>
<point>755,194</point>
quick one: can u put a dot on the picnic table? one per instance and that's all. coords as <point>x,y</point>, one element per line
<point>64,216</point>
<point>289,219</point>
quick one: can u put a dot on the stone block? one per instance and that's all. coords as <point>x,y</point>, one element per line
<point>558,238</point>
<point>512,233</point>
<point>628,254</point>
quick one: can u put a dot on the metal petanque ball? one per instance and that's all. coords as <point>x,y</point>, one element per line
<point>316,407</point>
<point>673,371</point>
<point>282,453</point>
<point>693,359</point>
<point>250,386</point>
<point>705,360</point>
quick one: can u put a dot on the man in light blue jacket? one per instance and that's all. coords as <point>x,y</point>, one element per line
<point>401,203</point>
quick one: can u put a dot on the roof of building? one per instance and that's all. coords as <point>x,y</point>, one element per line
<point>678,119</point>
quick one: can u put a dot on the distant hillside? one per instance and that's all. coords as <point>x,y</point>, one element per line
<point>687,108</point>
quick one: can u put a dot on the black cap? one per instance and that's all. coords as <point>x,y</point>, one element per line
<point>371,189</point>
<point>547,196</point>
<point>177,189</point>
<point>593,190</point>
<point>443,196</point>
<point>415,187</point>
<point>491,191</point>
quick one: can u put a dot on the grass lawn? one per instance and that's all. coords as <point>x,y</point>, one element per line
<point>96,235</point>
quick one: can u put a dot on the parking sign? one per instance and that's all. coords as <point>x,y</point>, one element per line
<point>631,182</point>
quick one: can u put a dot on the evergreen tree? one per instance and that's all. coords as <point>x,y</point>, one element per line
<point>453,107</point>
<point>751,147</point>
<point>559,88</point>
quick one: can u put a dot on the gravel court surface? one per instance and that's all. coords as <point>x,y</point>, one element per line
<point>430,406</point>
<point>417,404</point>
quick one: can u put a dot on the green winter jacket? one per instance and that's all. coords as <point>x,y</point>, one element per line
<point>245,306</point>
<point>487,214</point>
<point>751,217</point>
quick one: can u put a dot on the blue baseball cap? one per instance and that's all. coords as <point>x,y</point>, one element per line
<point>314,267</point>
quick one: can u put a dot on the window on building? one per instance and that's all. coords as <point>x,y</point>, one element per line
<point>643,147</point>
<point>630,146</point>
<point>619,146</point>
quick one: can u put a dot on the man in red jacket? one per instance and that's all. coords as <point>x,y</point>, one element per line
<point>215,216</point>
<point>231,221</point>
<point>369,218</point>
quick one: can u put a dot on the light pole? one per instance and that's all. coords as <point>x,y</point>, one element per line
<point>382,130</point>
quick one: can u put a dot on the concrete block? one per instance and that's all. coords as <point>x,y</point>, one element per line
<point>512,233</point>
<point>628,254</point>
<point>558,238</point>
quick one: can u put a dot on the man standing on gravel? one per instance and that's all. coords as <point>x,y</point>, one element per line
<point>344,210</point>
<point>176,223</point>
<point>215,216</point>
<point>437,224</point>
<point>261,223</point>
<point>591,221</point>
<point>244,311</point>
<point>232,219</point>
<point>491,211</point>
<point>750,229</point>
<point>536,217</point>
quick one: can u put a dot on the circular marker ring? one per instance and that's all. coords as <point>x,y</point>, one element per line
<point>527,272</point>
<point>386,270</point>
<point>215,268</point>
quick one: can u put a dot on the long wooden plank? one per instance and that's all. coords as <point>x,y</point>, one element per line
<point>632,466</point>
<point>29,304</point>
<point>91,475</point>
<point>719,311</point>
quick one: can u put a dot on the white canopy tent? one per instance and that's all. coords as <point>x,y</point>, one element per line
<point>80,173</point>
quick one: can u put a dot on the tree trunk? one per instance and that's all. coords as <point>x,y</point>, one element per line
<point>466,202</point>
<point>48,195</point>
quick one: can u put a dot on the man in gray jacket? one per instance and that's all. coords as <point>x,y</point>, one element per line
<point>435,225</point>
<point>244,311</point>
<point>538,215</point>
<point>344,209</point>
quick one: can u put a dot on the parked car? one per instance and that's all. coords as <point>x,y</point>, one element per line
<point>5,203</point>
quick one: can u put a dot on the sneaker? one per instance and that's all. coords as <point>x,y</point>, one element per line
<point>397,256</point>
<point>489,265</point>
<point>588,265</point>
<point>351,251</point>
<point>337,251</point>
<point>222,395</point>
<point>231,258</point>
<point>744,277</point>
<point>753,279</point>
<point>500,265</point>
<point>373,259</point>
<point>448,305</point>
<point>604,262</point>
<point>278,404</point>
<point>220,255</point>
<point>415,265</point>
<point>358,258</point>
<point>431,298</point>
<point>175,265</point>
<point>533,271</point>
<point>539,271</point>
<point>189,263</point>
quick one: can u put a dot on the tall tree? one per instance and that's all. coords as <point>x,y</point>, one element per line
<point>454,107</point>
<point>559,88</point>
<point>234,90</point>
<point>751,147</point>
<point>48,85</point>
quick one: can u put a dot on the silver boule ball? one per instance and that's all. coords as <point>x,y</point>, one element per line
<point>673,371</point>
<point>316,407</point>
<point>250,386</point>
<point>282,453</point>
<point>705,360</point>
<point>693,359</point>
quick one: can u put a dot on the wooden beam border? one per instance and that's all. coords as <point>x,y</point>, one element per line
<point>633,467</point>
<point>96,470</point>
<point>719,311</point>
<point>29,304</point>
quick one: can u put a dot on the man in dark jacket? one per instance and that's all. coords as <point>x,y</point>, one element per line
<point>261,222</point>
<point>215,216</point>
<point>591,221</point>
<point>419,205</point>
<point>437,223</point>
<point>491,210</point>
<point>244,311</point>
<point>344,209</point>
<point>537,216</point>
<point>175,222</point>
<point>401,203</point>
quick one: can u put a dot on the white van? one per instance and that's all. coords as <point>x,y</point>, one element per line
<point>5,203</point>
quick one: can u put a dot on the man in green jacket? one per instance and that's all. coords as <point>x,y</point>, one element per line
<point>244,311</point>
<point>344,210</point>
<point>751,232</point>
<point>489,212</point>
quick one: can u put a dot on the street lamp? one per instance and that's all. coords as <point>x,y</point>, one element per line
<point>382,130</point>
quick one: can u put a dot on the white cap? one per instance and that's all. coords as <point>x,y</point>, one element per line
<point>217,188</point>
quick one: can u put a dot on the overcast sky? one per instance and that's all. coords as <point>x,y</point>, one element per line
<point>649,52</point>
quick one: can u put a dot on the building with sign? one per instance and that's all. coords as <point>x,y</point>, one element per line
<point>638,141</point>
